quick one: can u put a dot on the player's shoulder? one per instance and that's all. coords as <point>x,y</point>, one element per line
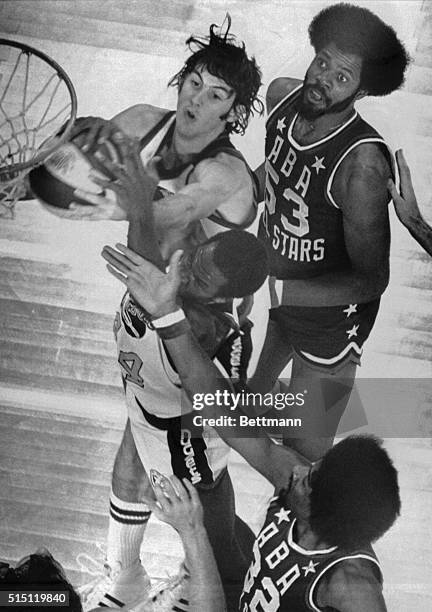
<point>137,120</point>
<point>278,89</point>
<point>353,580</point>
<point>367,158</point>
<point>225,168</point>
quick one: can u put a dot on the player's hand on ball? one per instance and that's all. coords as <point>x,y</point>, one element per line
<point>178,504</point>
<point>405,202</point>
<point>133,184</point>
<point>154,290</point>
<point>89,131</point>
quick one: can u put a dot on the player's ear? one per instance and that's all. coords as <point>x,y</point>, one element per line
<point>234,113</point>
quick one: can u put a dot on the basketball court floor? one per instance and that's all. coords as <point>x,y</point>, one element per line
<point>60,397</point>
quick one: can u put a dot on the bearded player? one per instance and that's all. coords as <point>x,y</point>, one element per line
<point>325,223</point>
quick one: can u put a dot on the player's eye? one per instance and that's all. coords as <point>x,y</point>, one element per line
<point>322,63</point>
<point>342,78</point>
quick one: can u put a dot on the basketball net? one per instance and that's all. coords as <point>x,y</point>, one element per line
<point>37,98</point>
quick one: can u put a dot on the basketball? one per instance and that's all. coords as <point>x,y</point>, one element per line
<point>70,168</point>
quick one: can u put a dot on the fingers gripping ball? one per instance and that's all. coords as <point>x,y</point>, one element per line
<point>76,165</point>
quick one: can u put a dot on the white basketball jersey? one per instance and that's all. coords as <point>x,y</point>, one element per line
<point>159,410</point>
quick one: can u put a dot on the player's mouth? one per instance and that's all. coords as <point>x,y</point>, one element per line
<point>190,115</point>
<point>315,95</point>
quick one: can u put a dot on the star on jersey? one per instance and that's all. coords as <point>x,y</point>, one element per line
<point>310,569</point>
<point>353,331</point>
<point>281,124</point>
<point>352,308</point>
<point>318,165</point>
<point>283,515</point>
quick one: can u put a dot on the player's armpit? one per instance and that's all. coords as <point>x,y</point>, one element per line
<point>352,587</point>
<point>214,185</point>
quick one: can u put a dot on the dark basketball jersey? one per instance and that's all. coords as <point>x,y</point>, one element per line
<point>302,223</point>
<point>173,179</point>
<point>283,575</point>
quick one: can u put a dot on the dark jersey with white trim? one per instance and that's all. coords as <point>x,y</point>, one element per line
<point>302,225</point>
<point>173,179</point>
<point>283,575</point>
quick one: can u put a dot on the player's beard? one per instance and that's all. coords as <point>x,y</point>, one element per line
<point>310,112</point>
<point>284,493</point>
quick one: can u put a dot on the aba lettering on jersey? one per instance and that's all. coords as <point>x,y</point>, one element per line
<point>160,413</point>
<point>283,575</point>
<point>302,223</point>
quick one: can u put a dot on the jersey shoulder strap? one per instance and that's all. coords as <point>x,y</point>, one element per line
<point>223,144</point>
<point>155,129</point>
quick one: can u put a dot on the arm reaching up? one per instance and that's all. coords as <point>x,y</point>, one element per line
<point>156,292</point>
<point>406,206</point>
<point>179,505</point>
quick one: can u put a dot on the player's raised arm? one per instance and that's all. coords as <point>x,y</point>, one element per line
<point>178,504</point>
<point>157,293</point>
<point>406,206</point>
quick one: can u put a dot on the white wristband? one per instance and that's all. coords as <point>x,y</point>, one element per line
<point>169,319</point>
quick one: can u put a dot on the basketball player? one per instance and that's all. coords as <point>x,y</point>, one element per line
<point>325,223</point>
<point>157,436</point>
<point>201,174</point>
<point>406,206</point>
<point>314,550</point>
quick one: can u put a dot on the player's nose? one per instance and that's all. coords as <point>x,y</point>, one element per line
<point>199,97</point>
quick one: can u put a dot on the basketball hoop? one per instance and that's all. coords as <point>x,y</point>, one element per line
<point>37,99</point>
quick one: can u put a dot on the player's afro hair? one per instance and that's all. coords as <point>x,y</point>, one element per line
<point>225,58</point>
<point>357,30</point>
<point>242,259</point>
<point>354,493</point>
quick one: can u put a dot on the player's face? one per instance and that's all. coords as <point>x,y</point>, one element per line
<point>299,489</point>
<point>201,278</point>
<point>205,105</point>
<point>332,82</point>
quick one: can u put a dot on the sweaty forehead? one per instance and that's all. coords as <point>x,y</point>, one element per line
<point>343,59</point>
<point>213,81</point>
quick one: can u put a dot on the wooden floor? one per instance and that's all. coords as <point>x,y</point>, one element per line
<point>60,397</point>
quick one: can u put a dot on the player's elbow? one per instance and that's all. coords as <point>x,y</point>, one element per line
<point>372,283</point>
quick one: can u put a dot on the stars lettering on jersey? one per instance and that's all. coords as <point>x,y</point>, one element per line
<point>352,308</point>
<point>281,124</point>
<point>353,331</point>
<point>283,515</point>
<point>310,569</point>
<point>318,165</point>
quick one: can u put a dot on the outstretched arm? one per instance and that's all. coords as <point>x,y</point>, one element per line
<point>179,505</point>
<point>156,292</point>
<point>406,206</point>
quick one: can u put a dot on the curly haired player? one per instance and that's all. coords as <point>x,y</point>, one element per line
<point>325,223</point>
